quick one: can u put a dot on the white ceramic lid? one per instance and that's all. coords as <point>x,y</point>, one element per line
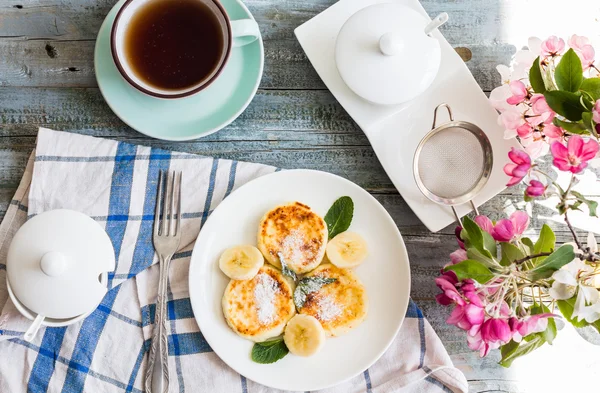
<point>384,55</point>
<point>55,261</point>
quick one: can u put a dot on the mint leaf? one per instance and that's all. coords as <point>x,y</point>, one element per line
<point>535,77</point>
<point>309,285</point>
<point>515,350</point>
<point>285,269</point>
<point>339,216</point>
<point>552,263</point>
<point>269,351</point>
<point>565,103</point>
<point>566,308</point>
<point>471,269</point>
<point>573,128</point>
<point>591,86</point>
<point>545,243</point>
<point>569,73</point>
<point>510,253</point>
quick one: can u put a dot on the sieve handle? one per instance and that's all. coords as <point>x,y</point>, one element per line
<point>472,205</point>
<point>436,111</point>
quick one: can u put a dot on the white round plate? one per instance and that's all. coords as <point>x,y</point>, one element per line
<point>385,274</point>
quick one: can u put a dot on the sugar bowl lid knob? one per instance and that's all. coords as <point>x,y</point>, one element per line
<point>391,43</point>
<point>53,263</point>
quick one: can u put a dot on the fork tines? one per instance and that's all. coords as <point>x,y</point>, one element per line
<point>168,204</point>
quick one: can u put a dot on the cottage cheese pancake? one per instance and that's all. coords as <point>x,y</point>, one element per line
<point>259,308</point>
<point>340,306</point>
<point>295,233</point>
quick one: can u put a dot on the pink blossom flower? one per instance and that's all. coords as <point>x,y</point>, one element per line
<point>458,256</point>
<point>581,46</point>
<point>485,223</point>
<point>496,330</point>
<point>467,316</point>
<point>596,112</point>
<point>552,46</point>
<point>447,283</point>
<point>519,92</point>
<point>535,189</point>
<point>491,334</point>
<point>525,130</point>
<point>535,147</point>
<point>543,112</point>
<point>553,132</point>
<point>532,324</point>
<point>520,166</point>
<point>575,155</point>
<point>510,229</point>
<point>512,118</point>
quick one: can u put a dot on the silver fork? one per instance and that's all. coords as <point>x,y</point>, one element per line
<point>166,242</point>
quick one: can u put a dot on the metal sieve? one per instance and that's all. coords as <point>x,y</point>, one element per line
<point>453,162</point>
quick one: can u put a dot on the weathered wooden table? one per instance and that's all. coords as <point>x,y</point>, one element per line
<point>47,79</point>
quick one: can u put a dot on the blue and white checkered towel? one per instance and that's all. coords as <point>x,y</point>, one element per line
<point>115,183</point>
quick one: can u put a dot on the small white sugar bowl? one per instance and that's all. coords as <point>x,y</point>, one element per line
<point>385,53</point>
<point>57,267</point>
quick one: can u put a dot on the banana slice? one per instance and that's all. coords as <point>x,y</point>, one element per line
<point>241,262</point>
<point>348,249</point>
<point>304,335</point>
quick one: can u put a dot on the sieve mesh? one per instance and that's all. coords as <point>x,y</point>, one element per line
<point>451,163</point>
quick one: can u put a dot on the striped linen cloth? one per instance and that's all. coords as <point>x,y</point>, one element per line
<point>115,183</point>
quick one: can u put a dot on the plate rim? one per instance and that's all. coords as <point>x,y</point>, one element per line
<point>404,305</point>
<point>105,27</point>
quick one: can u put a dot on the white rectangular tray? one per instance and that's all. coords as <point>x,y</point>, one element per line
<point>395,131</point>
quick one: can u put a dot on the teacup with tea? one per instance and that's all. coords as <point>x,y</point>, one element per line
<point>175,48</point>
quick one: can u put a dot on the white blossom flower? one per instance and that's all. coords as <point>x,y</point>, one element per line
<point>572,279</point>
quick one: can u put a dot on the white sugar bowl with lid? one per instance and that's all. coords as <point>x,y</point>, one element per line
<point>57,267</point>
<point>385,53</point>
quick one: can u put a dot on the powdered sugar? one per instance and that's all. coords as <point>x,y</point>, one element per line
<point>291,247</point>
<point>264,294</point>
<point>328,309</point>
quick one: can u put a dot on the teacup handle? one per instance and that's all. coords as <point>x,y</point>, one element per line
<point>244,32</point>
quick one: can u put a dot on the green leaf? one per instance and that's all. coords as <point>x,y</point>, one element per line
<point>552,263</point>
<point>485,259</point>
<point>535,77</point>
<point>308,285</point>
<point>285,269</point>
<point>528,243</point>
<point>471,269</point>
<point>573,128</point>
<point>569,73</point>
<point>269,351</point>
<point>592,205</point>
<point>591,86</point>
<point>545,243</point>
<point>474,233</point>
<point>518,350</point>
<point>477,242</point>
<point>586,118</point>
<point>510,253</point>
<point>566,308</point>
<point>489,243</point>
<point>565,104</point>
<point>339,216</point>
